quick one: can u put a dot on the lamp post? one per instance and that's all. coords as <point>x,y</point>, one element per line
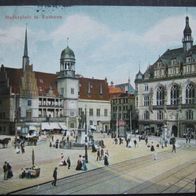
<point>86,153</point>
<point>179,111</point>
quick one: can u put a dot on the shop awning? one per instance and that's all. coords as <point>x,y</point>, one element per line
<point>50,125</point>
<point>93,127</point>
<point>63,126</point>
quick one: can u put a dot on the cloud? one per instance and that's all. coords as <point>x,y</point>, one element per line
<point>81,29</point>
<point>100,50</point>
<point>11,35</point>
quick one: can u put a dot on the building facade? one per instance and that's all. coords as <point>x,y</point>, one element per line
<point>38,100</point>
<point>166,92</point>
<point>123,113</point>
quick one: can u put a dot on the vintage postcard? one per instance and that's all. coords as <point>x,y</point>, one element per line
<point>98,98</point>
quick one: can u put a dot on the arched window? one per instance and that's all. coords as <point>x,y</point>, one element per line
<point>159,115</point>
<point>189,115</point>
<point>160,95</point>
<point>174,95</point>
<point>146,115</point>
<point>190,94</point>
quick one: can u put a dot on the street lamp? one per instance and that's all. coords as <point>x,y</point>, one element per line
<point>86,153</point>
<point>179,111</point>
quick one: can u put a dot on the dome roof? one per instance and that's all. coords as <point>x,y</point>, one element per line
<point>67,53</point>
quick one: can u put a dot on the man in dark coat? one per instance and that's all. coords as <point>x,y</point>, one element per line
<point>10,173</point>
<point>68,163</point>
<point>5,170</point>
<point>54,176</point>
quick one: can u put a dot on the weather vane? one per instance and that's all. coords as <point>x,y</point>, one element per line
<point>67,40</point>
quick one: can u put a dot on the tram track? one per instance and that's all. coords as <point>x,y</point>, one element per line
<point>78,182</point>
<point>161,179</point>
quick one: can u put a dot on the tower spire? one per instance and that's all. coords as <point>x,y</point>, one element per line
<point>25,60</point>
<point>187,39</point>
<point>25,44</point>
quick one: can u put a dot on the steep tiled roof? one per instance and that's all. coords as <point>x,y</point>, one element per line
<point>89,88</point>
<point>46,81</point>
<point>94,89</point>
<point>14,76</point>
<point>114,90</point>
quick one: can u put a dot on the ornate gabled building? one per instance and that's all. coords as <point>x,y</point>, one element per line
<point>166,92</point>
<point>38,100</point>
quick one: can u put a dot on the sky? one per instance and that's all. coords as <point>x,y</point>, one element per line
<point>111,42</point>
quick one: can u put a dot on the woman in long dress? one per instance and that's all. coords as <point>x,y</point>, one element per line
<point>106,156</point>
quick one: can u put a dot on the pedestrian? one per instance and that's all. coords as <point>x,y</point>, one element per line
<point>22,147</point>
<point>54,176</point>
<point>186,138</point>
<point>116,141</point>
<point>57,143</point>
<point>84,167</point>
<point>130,143</point>
<point>79,163</point>
<point>152,149</point>
<point>17,149</point>
<point>173,147</point>
<point>5,170</point>
<point>62,161</point>
<point>135,142</point>
<point>98,154</point>
<point>106,156</point>
<point>9,171</point>
<point>127,142</point>
<point>146,140</point>
<point>102,153</point>
<point>68,162</point>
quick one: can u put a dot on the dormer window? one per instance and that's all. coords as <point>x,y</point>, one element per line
<point>101,89</point>
<point>173,61</point>
<point>188,59</point>
<point>158,63</point>
<point>89,88</point>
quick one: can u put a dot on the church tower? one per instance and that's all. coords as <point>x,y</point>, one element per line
<point>68,85</point>
<point>187,39</point>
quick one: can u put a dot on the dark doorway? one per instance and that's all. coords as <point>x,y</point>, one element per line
<point>174,130</point>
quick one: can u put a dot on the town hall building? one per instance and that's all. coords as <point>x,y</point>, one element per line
<point>32,100</point>
<point>166,92</point>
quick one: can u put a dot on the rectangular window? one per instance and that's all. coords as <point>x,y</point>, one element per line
<point>29,102</point>
<point>146,87</point>
<point>62,91</point>
<point>105,112</point>
<point>91,122</point>
<point>80,111</point>
<point>98,112</point>
<point>146,100</point>
<point>72,91</point>
<point>91,112</point>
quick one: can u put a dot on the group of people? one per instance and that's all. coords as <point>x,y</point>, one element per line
<point>101,155</point>
<point>81,163</point>
<point>7,169</point>
<point>64,162</point>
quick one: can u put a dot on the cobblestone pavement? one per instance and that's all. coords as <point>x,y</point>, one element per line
<point>47,158</point>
